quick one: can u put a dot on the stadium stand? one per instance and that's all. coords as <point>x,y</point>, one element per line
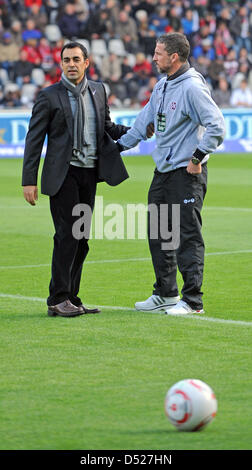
<point>32,33</point>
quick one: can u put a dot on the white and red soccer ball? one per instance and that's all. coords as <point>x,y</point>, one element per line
<point>190,405</point>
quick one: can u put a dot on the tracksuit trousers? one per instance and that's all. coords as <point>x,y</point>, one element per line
<point>179,187</point>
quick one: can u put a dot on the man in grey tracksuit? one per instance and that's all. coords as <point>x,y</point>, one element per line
<point>188,126</point>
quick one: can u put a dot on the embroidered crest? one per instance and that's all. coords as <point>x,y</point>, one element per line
<point>173,105</point>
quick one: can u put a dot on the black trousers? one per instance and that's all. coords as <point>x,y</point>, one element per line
<point>69,252</point>
<point>180,187</point>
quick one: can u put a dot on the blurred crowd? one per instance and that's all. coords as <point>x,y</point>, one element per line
<point>120,37</point>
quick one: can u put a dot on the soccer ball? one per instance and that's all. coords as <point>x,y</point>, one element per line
<point>190,405</point>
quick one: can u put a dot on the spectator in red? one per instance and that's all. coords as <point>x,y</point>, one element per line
<point>45,52</point>
<point>53,75</point>
<point>209,20</point>
<point>33,54</point>
<point>56,50</point>
<point>223,31</point>
<point>142,68</point>
<point>30,3</point>
<point>221,49</point>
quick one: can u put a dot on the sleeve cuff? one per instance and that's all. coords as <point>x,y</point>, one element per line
<point>199,154</point>
<point>120,147</point>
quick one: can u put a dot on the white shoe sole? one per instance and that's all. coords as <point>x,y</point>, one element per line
<point>158,308</point>
<point>199,312</point>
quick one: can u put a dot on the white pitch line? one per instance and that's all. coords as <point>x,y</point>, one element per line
<point>40,299</point>
<point>123,260</point>
<point>117,260</point>
<point>23,266</point>
<point>222,253</point>
<point>220,320</point>
<point>22,297</point>
<point>99,261</point>
<point>130,309</point>
<point>215,208</point>
<point>228,209</point>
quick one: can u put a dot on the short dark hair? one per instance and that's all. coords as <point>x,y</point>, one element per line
<point>72,45</point>
<point>176,42</point>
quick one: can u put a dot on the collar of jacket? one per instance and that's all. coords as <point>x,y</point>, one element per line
<point>179,72</point>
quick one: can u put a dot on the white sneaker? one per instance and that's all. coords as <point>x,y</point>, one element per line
<point>182,308</point>
<point>156,303</point>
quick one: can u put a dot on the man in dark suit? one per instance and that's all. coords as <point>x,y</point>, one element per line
<point>74,115</point>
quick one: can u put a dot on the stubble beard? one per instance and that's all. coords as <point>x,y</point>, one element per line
<point>163,70</point>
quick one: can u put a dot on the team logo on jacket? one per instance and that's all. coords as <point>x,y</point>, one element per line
<point>173,105</point>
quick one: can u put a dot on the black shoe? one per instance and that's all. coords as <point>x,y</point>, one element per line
<point>86,310</point>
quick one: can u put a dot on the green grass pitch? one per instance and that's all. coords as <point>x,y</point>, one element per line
<point>99,382</point>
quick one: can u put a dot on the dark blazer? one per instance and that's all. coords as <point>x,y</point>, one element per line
<point>52,116</point>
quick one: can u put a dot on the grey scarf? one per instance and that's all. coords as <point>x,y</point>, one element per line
<point>79,116</point>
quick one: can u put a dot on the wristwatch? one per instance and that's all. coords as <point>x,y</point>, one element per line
<point>195,160</point>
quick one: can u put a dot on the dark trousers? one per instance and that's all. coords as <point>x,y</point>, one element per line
<point>69,253</point>
<point>179,187</point>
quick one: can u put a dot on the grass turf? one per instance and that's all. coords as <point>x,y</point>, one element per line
<point>99,382</point>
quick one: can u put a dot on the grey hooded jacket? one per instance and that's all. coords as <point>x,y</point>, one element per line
<point>193,122</point>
